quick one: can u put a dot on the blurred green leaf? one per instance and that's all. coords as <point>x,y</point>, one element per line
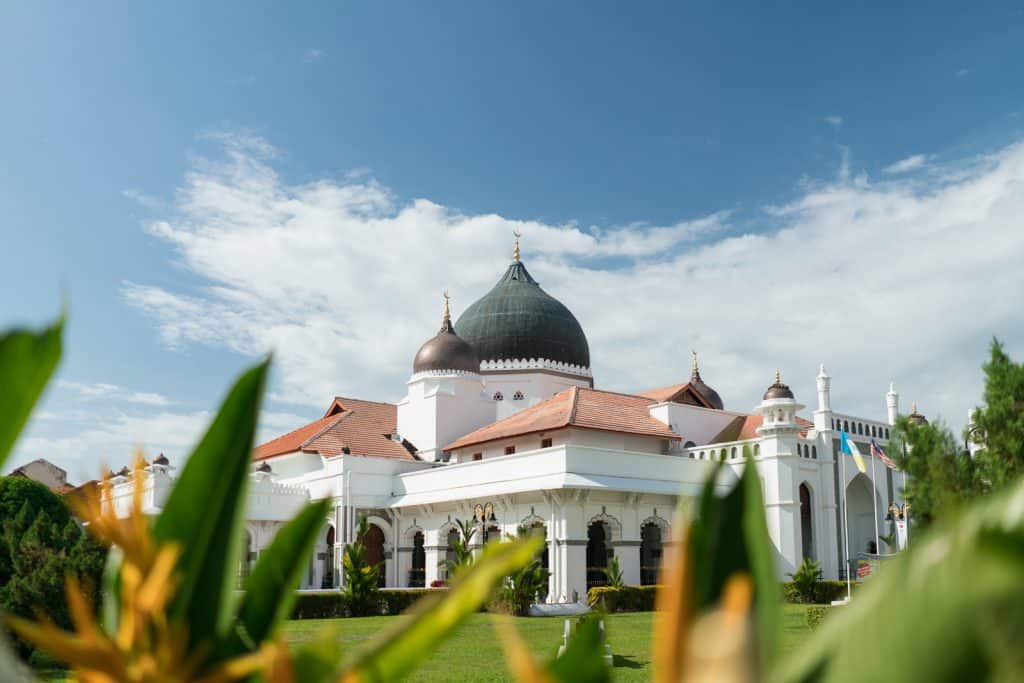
<point>318,660</point>
<point>730,535</point>
<point>270,588</point>
<point>205,512</point>
<point>110,597</point>
<point>27,360</point>
<point>951,608</point>
<point>583,659</point>
<point>398,651</point>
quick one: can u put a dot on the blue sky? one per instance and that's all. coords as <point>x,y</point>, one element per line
<point>583,120</point>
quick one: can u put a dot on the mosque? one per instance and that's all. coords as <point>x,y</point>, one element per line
<point>502,423</point>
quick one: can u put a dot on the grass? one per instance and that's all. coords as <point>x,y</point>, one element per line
<point>473,653</point>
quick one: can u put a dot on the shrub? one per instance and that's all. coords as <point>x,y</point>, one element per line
<point>623,599</point>
<point>824,592</point>
<point>335,605</point>
<point>815,615</point>
<point>361,578</point>
<point>805,581</point>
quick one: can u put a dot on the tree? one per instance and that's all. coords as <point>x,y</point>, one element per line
<point>527,585</point>
<point>941,475</point>
<point>613,574</point>
<point>999,423</point>
<point>361,578</point>
<point>460,548</point>
<point>40,544</point>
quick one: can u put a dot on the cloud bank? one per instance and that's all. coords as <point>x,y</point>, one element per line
<point>902,280</point>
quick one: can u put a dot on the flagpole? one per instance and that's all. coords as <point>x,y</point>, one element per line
<point>846,524</point>
<point>874,503</point>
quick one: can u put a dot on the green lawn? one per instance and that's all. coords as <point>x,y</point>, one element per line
<point>474,654</point>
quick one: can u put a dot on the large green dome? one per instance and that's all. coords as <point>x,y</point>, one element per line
<point>517,320</point>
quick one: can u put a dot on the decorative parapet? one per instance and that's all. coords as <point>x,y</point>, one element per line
<point>727,451</point>
<point>444,373</point>
<point>535,364</point>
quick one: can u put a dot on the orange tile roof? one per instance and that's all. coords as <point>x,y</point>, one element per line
<point>745,427</point>
<point>576,407</point>
<point>365,427</point>
<point>677,393</point>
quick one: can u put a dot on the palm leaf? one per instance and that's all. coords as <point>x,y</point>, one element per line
<point>27,360</point>
<point>205,512</point>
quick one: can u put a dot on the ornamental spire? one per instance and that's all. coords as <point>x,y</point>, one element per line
<point>778,376</point>
<point>515,250</point>
<point>694,371</point>
<point>447,310</point>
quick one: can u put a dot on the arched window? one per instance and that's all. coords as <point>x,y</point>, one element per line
<point>418,572</point>
<point>597,554</point>
<point>450,556</point>
<point>814,452</point>
<point>757,449</point>
<point>650,553</point>
<point>733,453</point>
<point>806,525</point>
<point>518,396</point>
<point>498,396</point>
<point>701,457</point>
<point>872,430</point>
<point>887,432</point>
<point>846,426</point>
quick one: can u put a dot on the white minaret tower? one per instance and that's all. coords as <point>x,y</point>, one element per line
<point>823,415</point>
<point>779,465</point>
<point>892,402</point>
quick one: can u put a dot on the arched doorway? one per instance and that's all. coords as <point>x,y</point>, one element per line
<point>450,556</point>
<point>806,523</point>
<point>650,553</point>
<point>373,546</point>
<point>327,580</point>
<point>860,513</point>
<point>597,554</point>
<point>418,572</point>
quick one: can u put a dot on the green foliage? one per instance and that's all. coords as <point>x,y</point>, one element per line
<point>395,653</point>
<point>582,661</point>
<point>949,609</point>
<point>815,615</point>
<point>1000,421</point>
<point>270,588</point>
<point>335,605</point>
<point>362,580</point>
<point>205,512</point>
<point>824,592</point>
<point>525,586</point>
<point>460,548</point>
<point>610,599</point>
<point>27,359</point>
<point>806,580</point>
<point>613,574</point>
<point>941,477</point>
<point>730,535</point>
<point>39,545</point>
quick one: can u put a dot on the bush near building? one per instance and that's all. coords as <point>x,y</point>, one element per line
<point>336,605</point>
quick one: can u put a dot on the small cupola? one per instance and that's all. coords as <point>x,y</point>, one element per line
<point>915,417</point>
<point>778,389</point>
<point>703,389</point>
<point>446,350</point>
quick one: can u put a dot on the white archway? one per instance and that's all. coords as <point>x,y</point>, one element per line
<point>860,514</point>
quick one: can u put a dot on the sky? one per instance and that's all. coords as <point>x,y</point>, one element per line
<point>776,186</point>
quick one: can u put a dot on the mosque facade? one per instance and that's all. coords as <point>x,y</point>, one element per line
<point>502,424</point>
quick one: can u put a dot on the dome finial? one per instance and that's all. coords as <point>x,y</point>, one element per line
<point>447,310</point>
<point>778,376</point>
<point>515,250</point>
<point>913,408</point>
<point>694,371</point>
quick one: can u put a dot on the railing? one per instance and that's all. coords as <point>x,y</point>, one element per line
<point>596,577</point>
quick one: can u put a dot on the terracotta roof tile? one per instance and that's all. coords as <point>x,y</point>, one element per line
<point>576,407</point>
<point>745,427</point>
<point>365,427</point>
<point>677,393</point>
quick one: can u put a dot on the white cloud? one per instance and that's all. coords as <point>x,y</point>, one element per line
<point>962,72</point>
<point>911,163</point>
<point>834,121</point>
<point>894,281</point>
<point>112,392</point>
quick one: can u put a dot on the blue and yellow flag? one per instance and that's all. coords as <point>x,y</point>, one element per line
<point>846,445</point>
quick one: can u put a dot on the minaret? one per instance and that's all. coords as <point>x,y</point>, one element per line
<point>892,403</point>
<point>823,415</point>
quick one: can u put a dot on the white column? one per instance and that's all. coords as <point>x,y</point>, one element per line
<point>892,403</point>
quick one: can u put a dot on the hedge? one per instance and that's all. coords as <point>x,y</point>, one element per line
<point>625,599</point>
<point>332,605</point>
<point>824,593</point>
<point>815,615</point>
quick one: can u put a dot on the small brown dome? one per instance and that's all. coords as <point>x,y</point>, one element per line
<point>778,389</point>
<point>161,460</point>
<point>264,467</point>
<point>916,417</point>
<point>446,350</point>
<point>698,385</point>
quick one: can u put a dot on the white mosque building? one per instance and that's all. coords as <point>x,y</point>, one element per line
<point>502,423</point>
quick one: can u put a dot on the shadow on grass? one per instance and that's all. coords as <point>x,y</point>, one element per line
<point>618,661</point>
